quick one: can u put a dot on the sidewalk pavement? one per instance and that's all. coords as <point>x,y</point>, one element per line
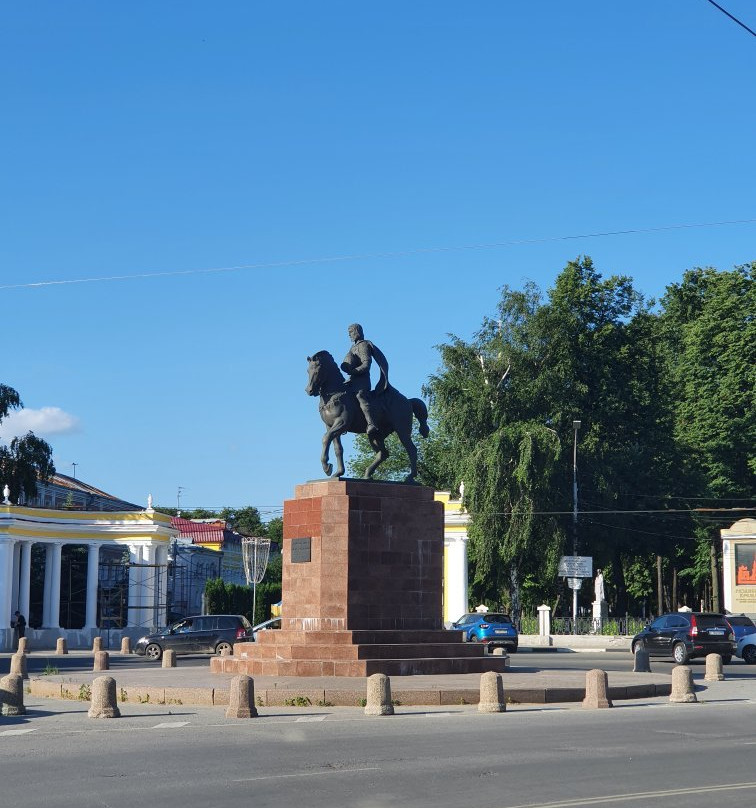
<point>197,685</point>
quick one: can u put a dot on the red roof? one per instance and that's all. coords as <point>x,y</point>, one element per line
<point>201,532</point>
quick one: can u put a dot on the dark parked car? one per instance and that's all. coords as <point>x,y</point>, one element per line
<point>201,634</point>
<point>493,628</point>
<point>684,635</point>
<point>742,626</point>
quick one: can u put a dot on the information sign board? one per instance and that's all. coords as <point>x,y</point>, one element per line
<point>576,566</point>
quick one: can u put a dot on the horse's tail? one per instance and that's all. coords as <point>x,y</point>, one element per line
<point>420,411</point>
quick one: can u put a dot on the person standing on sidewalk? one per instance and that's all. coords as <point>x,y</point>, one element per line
<point>19,627</point>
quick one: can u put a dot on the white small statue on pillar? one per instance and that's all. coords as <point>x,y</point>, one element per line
<point>6,494</point>
<point>600,606</point>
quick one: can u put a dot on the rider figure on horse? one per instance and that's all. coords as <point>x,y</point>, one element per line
<point>356,365</point>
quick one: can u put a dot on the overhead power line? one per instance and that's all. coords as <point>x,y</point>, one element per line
<point>734,19</point>
<point>366,256</point>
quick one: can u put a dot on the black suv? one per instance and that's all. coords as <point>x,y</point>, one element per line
<point>685,635</point>
<point>203,634</point>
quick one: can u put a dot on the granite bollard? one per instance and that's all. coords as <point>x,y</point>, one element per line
<point>169,658</point>
<point>378,700</point>
<point>596,690</point>
<point>18,665</point>
<point>96,645</point>
<point>126,645</point>
<point>714,672</point>
<point>641,663</point>
<point>12,695</point>
<point>241,698</point>
<point>491,693</point>
<point>104,703</point>
<point>101,661</point>
<point>682,685</point>
<point>23,645</point>
<point>61,646</point>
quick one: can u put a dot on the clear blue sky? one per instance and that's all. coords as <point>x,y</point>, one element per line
<point>149,138</point>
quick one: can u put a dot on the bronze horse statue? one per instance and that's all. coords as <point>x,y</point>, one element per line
<point>341,413</point>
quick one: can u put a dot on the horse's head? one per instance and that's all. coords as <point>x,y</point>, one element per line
<point>320,367</point>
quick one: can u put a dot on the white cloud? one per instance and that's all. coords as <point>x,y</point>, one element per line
<point>43,422</point>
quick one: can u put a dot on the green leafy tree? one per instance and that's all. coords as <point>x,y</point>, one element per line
<point>505,403</point>
<point>26,459</point>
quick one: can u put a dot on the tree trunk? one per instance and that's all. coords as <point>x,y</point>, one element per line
<point>659,587</point>
<point>715,601</point>
<point>675,603</point>
<point>515,605</point>
<point>620,589</point>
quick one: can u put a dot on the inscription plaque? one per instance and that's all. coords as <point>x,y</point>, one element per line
<point>301,550</point>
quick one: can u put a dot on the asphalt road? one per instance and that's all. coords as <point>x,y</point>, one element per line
<point>642,753</point>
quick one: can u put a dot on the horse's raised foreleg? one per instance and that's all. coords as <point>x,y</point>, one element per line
<point>333,435</point>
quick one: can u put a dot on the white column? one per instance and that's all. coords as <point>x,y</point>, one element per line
<point>15,575</point>
<point>57,551</point>
<point>134,615</point>
<point>455,577</point>
<point>148,585</point>
<point>24,586</point>
<point>161,581</point>
<point>93,578</point>
<point>48,585</point>
<point>6,584</point>
<point>544,620</point>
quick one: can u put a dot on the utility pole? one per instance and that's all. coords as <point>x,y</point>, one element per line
<point>74,469</point>
<point>180,491</point>
<point>575,428</point>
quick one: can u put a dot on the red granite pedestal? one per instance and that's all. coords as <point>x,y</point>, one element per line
<point>362,588</point>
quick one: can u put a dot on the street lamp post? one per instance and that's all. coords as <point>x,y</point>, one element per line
<point>575,427</point>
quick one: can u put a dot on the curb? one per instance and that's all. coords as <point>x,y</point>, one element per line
<point>335,697</point>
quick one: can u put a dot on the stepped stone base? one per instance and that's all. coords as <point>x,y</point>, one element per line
<point>361,589</point>
<point>357,653</point>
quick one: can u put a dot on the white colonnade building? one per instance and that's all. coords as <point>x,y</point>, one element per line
<point>145,535</point>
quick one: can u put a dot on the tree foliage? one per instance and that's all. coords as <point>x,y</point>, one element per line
<point>27,458</point>
<point>665,400</point>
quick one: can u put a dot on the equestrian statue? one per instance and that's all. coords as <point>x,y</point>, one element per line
<point>350,405</point>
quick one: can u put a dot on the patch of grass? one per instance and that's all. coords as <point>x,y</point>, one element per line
<point>123,695</point>
<point>50,670</point>
<point>324,703</point>
<point>85,693</point>
<point>361,702</point>
<point>298,701</point>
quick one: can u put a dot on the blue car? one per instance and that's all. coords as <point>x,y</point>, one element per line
<point>493,629</point>
<point>746,649</point>
<point>742,626</point>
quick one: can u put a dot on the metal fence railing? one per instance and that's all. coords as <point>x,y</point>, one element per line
<point>626,626</point>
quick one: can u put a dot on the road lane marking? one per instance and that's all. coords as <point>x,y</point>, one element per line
<point>306,774</point>
<point>640,795</point>
<point>305,718</point>
<point>18,731</point>
<point>171,725</point>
